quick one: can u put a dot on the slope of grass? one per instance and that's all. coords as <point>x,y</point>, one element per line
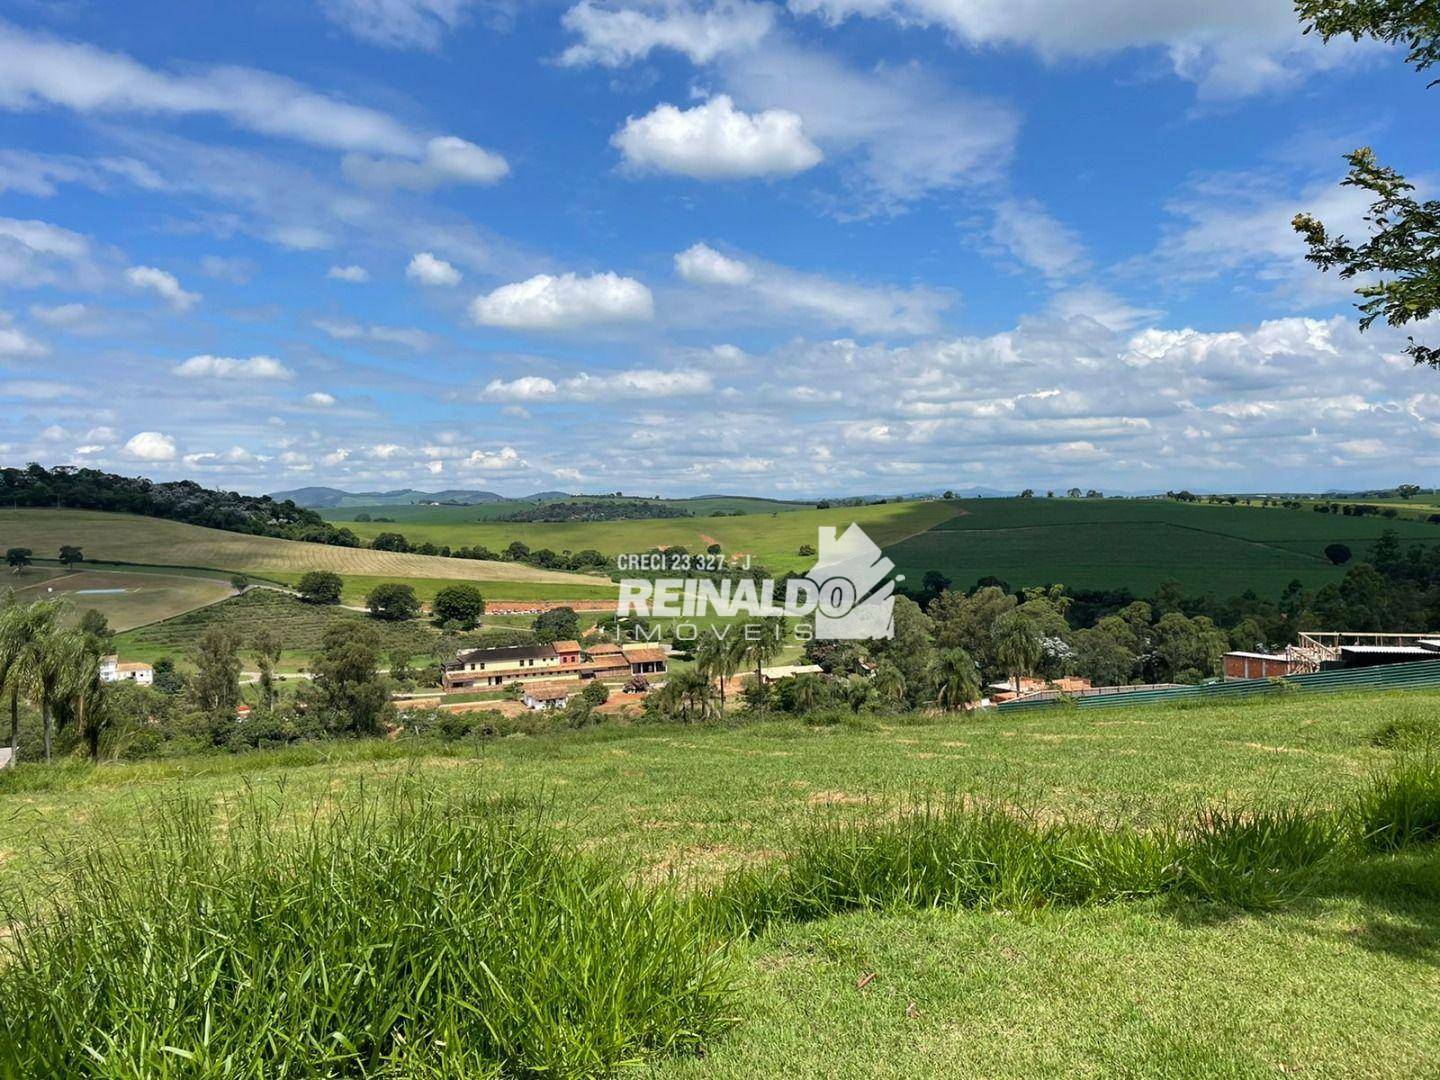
<point>128,538</point>
<point>125,599</point>
<point>300,627</point>
<point>772,539</point>
<point>1138,543</point>
<point>1018,981</point>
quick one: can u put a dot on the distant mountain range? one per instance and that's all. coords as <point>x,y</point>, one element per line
<point>328,498</point>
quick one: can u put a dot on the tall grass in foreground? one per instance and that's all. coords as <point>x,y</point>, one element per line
<point>438,938</point>
<point>939,856</point>
<point>394,936</point>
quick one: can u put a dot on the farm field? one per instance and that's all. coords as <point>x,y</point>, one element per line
<point>300,627</point>
<point>772,539</point>
<point>126,599</point>
<point>703,506</point>
<point>127,538</point>
<point>1136,544</point>
<point>1339,984</point>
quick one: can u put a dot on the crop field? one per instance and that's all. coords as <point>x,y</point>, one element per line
<point>1340,981</point>
<point>126,538</point>
<point>1138,543</point>
<point>772,539</point>
<point>125,599</point>
<point>703,506</point>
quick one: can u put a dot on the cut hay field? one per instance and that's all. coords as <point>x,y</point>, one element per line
<point>1136,544</point>
<point>131,539</point>
<point>772,539</point>
<point>125,599</point>
<point>1339,983</point>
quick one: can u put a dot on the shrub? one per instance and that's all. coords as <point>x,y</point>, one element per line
<point>399,935</point>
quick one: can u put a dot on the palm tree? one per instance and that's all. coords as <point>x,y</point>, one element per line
<point>42,663</point>
<point>719,657</point>
<point>806,691</point>
<point>14,623</point>
<point>889,681</point>
<point>957,679</point>
<point>79,687</point>
<point>1018,647</point>
<point>762,645</point>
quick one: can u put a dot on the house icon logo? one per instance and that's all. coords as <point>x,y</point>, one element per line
<point>855,592</point>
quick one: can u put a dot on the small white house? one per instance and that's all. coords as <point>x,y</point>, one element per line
<point>542,696</point>
<point>112,670</point>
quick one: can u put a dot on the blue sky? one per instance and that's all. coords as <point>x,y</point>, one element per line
<point>827,247</point>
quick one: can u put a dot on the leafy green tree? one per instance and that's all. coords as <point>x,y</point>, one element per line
<point>1408,491</point>
<point>1400,260</point>
<point>911,648</point>
<point>215,686</point>
<point>1018,645</point>
<point>595,692</point>
<point>392,602</point>
<point>267,647</point>
<point>956,679</point>
<point>966,622</point>
<point>390,541</point>
<point>167,680</point>
<point>1338,554</point>
<point>889,683</point>
<point>319,587</point>
<point>70,555</point>
<point>806,691</point>
<point>557,624</point>
<point>1187,650</point>
<point>95,624</point>
<point>18,558</point>
<point>347,690</point>
<point>462,604</point>
<point>1107,652</point>
<point>239,582</point>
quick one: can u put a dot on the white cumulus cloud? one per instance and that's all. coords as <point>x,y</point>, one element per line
<point>150,446</point>
<point>614,35</point>
<point>428,270</point>
<point>356,275</point>
<point>228,367</point>
<point>703,265</point>
<point>446,160</point>
<point>716,141</point>
<point>549,302</point>
<point>164,285</point>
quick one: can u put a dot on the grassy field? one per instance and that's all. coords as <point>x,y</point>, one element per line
<point>300,627</point>
<point>125,599</point>
<point>772,539</point>
<point>126,538</point>
<point>1138,543</point>
<point>702,506</point>
<point>576,587</point>
<point>1339,984</point>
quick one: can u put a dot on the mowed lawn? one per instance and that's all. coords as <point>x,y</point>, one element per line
<point>772,539</point>
<point>125,599</point>
<point>1342,984</point>
<point>1138,543</point>
<point>128,538</point>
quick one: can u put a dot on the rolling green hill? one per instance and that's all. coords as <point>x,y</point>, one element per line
<point>701,507</point>
<point>1136,544</point>
<point>124,538</point>
<point>773,539</point>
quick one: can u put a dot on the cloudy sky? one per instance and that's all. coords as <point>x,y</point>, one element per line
<point>815,247</point>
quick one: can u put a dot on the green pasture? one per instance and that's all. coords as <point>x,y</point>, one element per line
<point>702,506</point>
